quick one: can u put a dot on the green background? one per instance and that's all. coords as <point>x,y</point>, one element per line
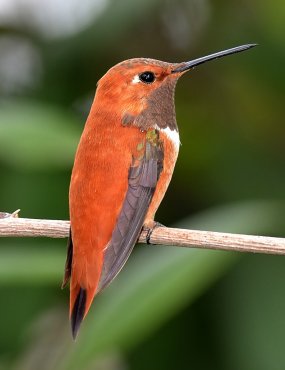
<point>170,308</point>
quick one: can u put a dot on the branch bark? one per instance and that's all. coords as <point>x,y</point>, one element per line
<point>12,226</point>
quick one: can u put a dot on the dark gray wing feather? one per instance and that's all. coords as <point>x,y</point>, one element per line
<point>142,183</point>
<point>68,263</point>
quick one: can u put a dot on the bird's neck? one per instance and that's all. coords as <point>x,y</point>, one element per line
<point>157,110</point>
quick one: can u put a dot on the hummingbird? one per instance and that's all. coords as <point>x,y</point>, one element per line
<point>123,165</point>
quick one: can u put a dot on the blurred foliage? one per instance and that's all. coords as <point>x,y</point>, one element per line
<point>170,307</point>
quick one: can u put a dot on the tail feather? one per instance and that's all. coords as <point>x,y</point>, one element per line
<point>83,286</point>
<point>78,311</point>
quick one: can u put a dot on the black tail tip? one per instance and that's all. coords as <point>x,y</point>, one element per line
<point>78,312</point>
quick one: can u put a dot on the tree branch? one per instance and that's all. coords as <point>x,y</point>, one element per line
<point>12,226</point>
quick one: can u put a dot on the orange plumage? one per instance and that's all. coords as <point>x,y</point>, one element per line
<point>98,187</point>
<point>123,166</point>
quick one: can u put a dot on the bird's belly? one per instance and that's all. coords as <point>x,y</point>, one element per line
<point>171,143</point>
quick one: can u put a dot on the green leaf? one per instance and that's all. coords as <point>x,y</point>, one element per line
<point>31,266</point>
<point>35,136</point>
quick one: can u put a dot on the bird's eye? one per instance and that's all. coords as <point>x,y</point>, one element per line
<point>147,77</point>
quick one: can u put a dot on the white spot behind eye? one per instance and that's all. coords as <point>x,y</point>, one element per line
<point>136,79</point>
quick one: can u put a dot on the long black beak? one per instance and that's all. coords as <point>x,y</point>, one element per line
<point>193,63</point>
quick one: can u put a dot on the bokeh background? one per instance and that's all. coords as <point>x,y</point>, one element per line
<point>170,308</point>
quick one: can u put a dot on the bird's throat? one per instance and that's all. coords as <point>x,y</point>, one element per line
<point>159,111</point>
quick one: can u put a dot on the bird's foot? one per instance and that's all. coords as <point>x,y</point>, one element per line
<point>149,227</point>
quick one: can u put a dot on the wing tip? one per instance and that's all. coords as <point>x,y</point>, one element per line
<point>78,312</point>
<point>68,263</point>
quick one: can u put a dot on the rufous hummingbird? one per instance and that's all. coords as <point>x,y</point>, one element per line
<point>123,166</point>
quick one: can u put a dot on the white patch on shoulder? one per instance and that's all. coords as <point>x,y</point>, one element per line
<point>173,135</point>
<point>136,79</point>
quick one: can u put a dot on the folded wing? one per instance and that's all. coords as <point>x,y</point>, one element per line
<point>143,177</point>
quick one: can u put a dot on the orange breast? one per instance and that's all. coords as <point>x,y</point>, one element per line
<point>171,144</point>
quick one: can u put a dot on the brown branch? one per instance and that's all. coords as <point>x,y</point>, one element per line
<point>12,226</point>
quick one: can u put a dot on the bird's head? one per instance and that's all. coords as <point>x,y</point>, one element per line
<point>141,90</point>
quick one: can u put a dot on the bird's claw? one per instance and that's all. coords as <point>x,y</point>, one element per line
<point>149,231</point>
